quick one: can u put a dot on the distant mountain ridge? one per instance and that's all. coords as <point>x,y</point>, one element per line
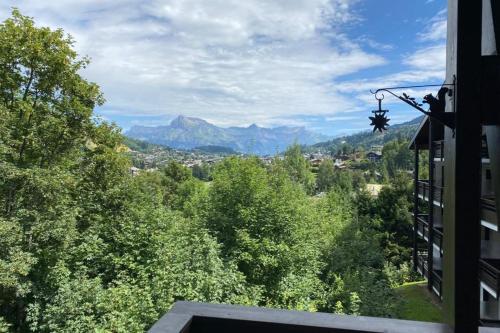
<point>367,139</point>
<point>188,133</point>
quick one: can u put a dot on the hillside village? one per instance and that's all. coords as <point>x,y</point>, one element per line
<point>153,159</point>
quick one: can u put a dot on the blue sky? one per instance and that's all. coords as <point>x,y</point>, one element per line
<point>270,62</point>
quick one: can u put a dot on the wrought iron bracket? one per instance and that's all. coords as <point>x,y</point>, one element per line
<point>436,104</point>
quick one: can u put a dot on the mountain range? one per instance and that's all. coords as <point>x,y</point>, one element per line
<point>188,133</point>
<point>367,139</point>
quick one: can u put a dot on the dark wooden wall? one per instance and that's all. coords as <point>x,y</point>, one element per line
<point>462,167</point>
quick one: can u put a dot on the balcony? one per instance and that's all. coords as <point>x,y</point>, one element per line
<point>489,217</point>
<point>438,239</point>
<point>490,325</point>
<point>438,147</point>
<point>487,189</point>
<point>490,249</point>
<point>438,195</point>
<point>424,192</point>
<point>438,171</point>
<point>437,282</point>
<point>423,226</point>
<point>489,273</point>
<point>437,213</point>
<point>484,148</point>
<point>422,266</point>
<point>489,313</point>
<point>423,189</point>
<point>188,317</point>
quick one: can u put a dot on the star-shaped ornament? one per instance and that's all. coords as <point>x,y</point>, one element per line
<point>379,121</point>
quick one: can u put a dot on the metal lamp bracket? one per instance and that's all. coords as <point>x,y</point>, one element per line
<point>436,104</point>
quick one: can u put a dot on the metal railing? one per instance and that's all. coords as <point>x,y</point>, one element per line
<point>437,283</point>
<point>423,226</point>
<point>438,195</point>
<point>489,272</point>
<point>438,149</point>
<point>438,239</point>
<point>422,264</point>
<point>423,189</point>
<point>489,211</point>
<point>484,148</point>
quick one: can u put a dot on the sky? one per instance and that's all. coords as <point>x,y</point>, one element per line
<point>272,63</point>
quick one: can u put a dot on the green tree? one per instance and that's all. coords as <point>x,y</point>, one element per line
<point>175,177</point>
<point>397,156</point>
<point>46,109</point>
<point>298,168</point>
<point>48,104</point>
<point>326,175</point>
<point>393,206</point>
<point>261,219</point>
<point>202,172</point>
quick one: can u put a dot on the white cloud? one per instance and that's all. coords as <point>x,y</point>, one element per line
<point>428,59</point>
<point>341,118</point>
<point>227,61</point>
<point>374,44</point>
<point>425,66</point>
<point>436,28</point>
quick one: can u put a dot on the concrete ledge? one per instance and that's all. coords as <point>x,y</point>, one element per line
<point>190,317</point>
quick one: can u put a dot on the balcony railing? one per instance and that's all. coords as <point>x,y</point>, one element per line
<point>490,249</point>
<point>489,326</point>
<point>422,266</point>
<point>423,189</point>
<point>438,238</point>
<point>438,195</point>
<point>438,149</point>
<point>489,313</point>
<point>484,148</point>
<point>437,283</point>
<point>487,189</point>
<point>489,217</point>
<point>423,226</point>
<point>489,273</point>
<point>437,213</point>
<point>187,317</point>
<point>438,170</point>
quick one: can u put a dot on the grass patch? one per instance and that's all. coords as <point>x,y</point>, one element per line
<point>418,303</point>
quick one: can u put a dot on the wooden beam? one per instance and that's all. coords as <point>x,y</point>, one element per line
<point>415,209</point>
<point>463,168</point>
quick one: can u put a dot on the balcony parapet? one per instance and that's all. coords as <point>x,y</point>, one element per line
<point>189,317</point>
<point>489,216</point>
<point>489,274</point>
<point>489,313</point>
